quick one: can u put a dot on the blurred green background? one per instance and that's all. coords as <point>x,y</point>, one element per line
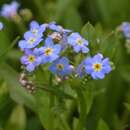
<point>111,104</point>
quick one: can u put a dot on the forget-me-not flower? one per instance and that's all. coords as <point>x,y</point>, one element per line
<point>61,67</point>
<point>37,29</point>
<point>97,67</point>
<point>78,43</point>
<point>30,41</point>
<point>10,10</point>
<point>30,60</point>
<point>49,52</point>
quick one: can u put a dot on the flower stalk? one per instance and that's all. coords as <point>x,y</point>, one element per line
<point>82,109</point>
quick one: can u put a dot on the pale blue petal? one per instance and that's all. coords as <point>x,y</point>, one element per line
<point>77,48</point>
<point>22,44</point>
<point>94,75</point>
<point>100,75</point>
<point>30,67</point>
<point>28,35</point>
<point>49,42</point>
<point>64,60</point>
<point>57,49</point>
<point>106,69</point>
<point>98,58</point>
<point>34,25</point>
<point>85,50</point>
<point>88,69</point>
<point>24,60</point>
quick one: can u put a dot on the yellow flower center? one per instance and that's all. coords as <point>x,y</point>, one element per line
<point>31,40</point>
<point>60,66</point>
<point>48,51</point>
<point>31,58</point>
<point>79,41</point>
<point>97,67</point>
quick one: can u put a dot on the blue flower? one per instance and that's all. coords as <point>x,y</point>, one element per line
<point>61,67</point>
<point>30,60</point>
<point>78,43</point>
<point>30,41</point>
<point>53,26</point>
<point>125,28</point>
<point>37,29</point>
<point>97,67</point>
<point>10,10</point>
<point>1,25</point>
<point>49,52</point>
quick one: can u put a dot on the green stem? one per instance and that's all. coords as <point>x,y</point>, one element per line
<point>82,106</point>
<point>70,112</point>
<point>52,103</point>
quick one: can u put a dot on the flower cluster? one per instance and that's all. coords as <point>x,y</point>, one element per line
<point>47,44</point>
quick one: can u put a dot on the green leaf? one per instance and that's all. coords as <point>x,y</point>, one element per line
<point>17,92</point>
<point>94,35</point>
<point>75,123</point>
<point>102,125</point>
<point>88,32</point>
<point>17,120</point>
<point>48,113</point>
<point>89,98</point>
<point>6,104</point>
<point>43,109</point>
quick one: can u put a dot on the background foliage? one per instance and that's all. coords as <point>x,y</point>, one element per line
<point>108,100</point>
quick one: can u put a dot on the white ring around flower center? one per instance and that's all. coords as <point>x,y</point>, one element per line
<point>79,41</point>
<point>31,40</point>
